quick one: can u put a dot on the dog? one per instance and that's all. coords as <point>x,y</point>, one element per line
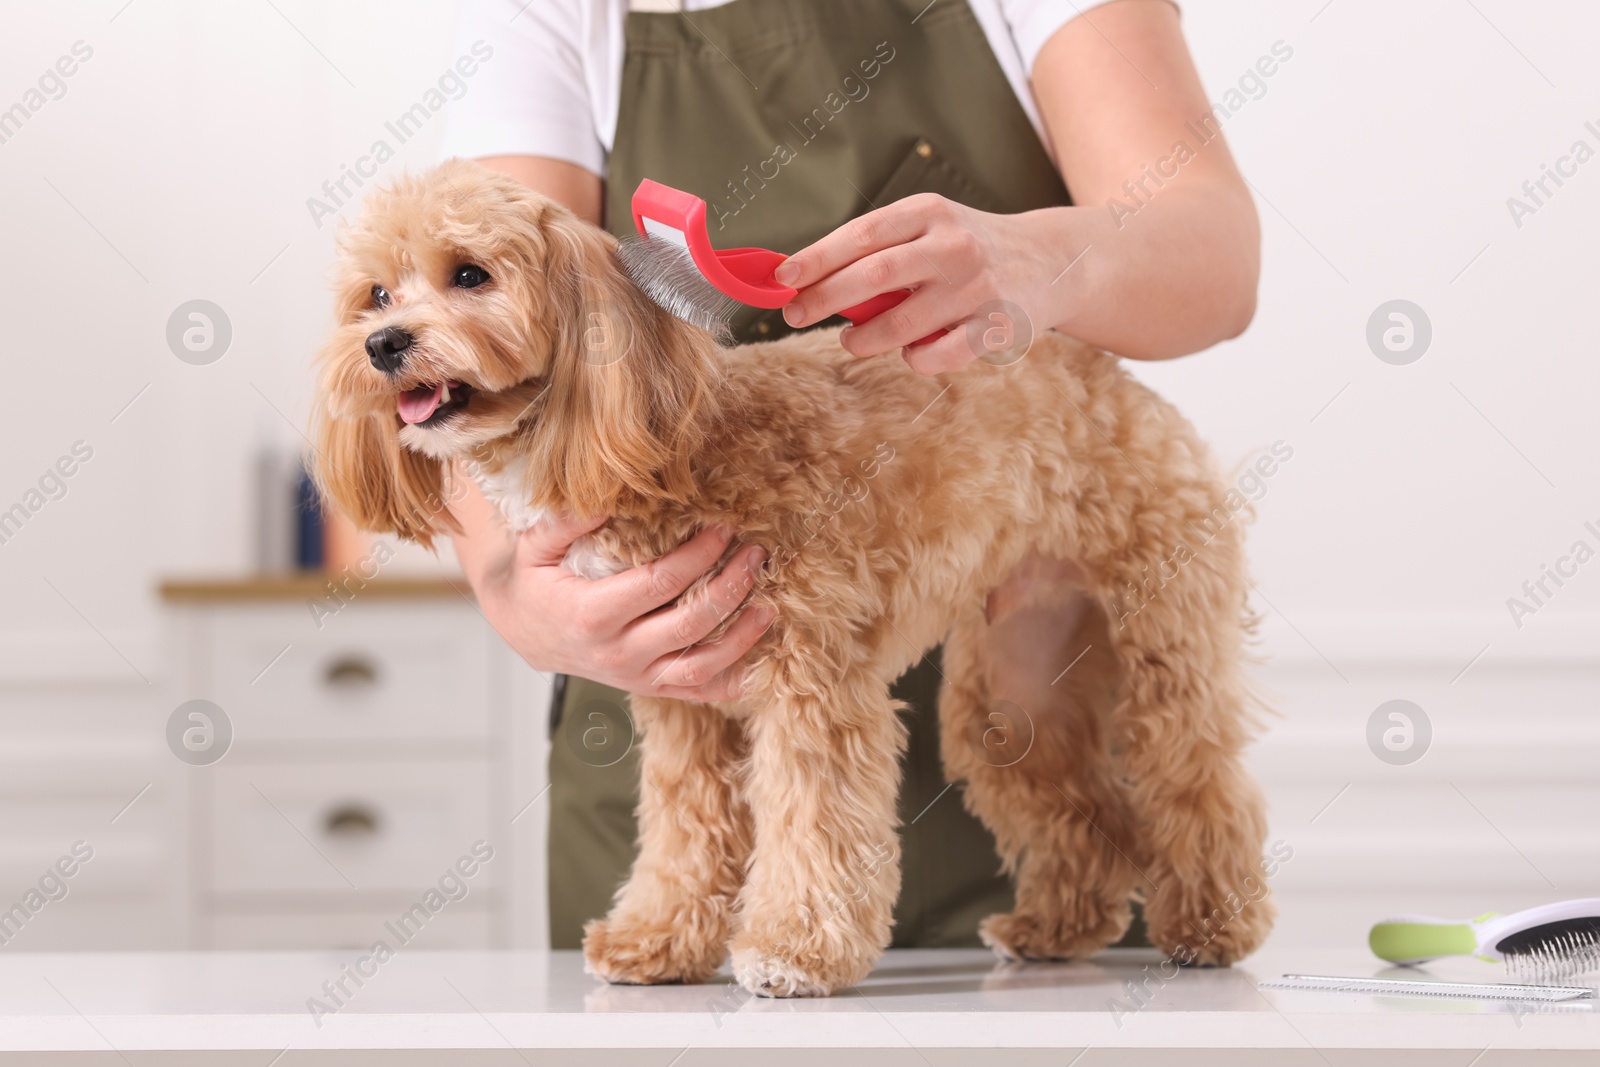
<point>484,330</point>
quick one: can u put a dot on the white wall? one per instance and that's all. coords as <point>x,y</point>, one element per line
<point>1418,499</point>
<point>1382,155</point>
<point>187,147</point>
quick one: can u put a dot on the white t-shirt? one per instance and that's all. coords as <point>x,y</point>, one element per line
<point>552,85</point>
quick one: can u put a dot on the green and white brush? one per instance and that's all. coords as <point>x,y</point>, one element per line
<point>1544,944</point>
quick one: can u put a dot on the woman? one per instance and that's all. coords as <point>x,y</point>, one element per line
<point>896,144</point>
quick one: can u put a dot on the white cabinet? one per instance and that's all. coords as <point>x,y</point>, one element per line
<point>279,829</point>
<point>377,753</point>
<point>393,670</point>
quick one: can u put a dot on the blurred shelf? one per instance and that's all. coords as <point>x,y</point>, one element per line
<point>302,586</point>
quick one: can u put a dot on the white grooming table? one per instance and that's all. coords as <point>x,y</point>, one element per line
<point>931,1007</point>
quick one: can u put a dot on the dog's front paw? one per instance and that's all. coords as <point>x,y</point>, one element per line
<point>1211,930</point>
<point>1021,935</point>
<point>626,951</point>
<point>769,968</point>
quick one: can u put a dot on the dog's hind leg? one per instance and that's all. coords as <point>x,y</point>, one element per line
<point>673,916</point>
<point>1178,620</point>
<point>824,772</point>
<point>1023,723</point>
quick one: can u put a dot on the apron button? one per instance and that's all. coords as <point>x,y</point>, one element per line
<point>924,149</point>
<point>763,327</point>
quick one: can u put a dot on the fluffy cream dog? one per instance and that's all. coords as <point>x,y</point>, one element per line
<point>483,325</point>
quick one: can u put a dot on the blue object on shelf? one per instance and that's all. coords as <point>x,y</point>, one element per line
<point>308,540</point>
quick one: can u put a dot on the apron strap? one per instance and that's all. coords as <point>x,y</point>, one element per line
<point>656,7</point>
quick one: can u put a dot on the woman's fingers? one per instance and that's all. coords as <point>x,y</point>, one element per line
<point>702,670</point>
<point>925,311</point>
<point>951,352</point>
<point>640,590</point>
<point>923,243</point>
<point>899,223</point>
<point>546,542</point>
<point>617,630</point>
<point>668,632</point>
<point>998,332</point>
<point>899,267</point>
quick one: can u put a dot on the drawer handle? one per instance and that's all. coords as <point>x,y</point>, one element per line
<point>350,820</point>
<point>350,672</point>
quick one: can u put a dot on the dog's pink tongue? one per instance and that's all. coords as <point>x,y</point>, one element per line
<point>418,405</point>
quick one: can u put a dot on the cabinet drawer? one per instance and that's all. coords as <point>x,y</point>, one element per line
<point>456,927</point>
<point>378,670</point>
<point>347,828</point>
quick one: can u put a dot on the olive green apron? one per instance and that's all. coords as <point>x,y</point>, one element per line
<point>791,117</point>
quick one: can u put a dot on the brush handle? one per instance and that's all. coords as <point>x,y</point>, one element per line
<point>871,309</point>
<point>1414,941</point>
<point>745,274</point>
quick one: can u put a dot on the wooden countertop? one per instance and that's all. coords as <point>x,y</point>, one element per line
<point>304,586</point>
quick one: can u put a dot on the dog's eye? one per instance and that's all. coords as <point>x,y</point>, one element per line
<point>468,276</point>
<point>380,297</point>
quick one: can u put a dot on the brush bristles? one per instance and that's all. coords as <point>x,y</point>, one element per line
<point>1556,959</point>
<point>668,276</point>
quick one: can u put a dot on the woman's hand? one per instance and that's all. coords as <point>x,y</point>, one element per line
<point>621,630</point>
<point>963,267</point>
<point>1159,258</point>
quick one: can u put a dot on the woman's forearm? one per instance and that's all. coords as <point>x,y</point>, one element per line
<point>1172,237</point>
<point>1169,276</point>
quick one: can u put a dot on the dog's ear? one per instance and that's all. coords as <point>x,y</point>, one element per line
<point>361,467</point>
<point>629,383</point>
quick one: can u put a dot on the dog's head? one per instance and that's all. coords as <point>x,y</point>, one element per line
<point>473,312</point>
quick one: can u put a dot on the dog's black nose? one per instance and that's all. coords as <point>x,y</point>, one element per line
<point>387,348</point>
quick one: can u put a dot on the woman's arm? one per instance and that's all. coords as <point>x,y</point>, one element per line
<point>617,630</point>
<point>1180,272</point>
<point>1170,271</point>
<point>566,183</point>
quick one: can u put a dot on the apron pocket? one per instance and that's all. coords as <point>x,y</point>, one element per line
<point>925,169</point>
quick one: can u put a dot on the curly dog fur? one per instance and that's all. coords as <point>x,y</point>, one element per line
<point>892,506</point>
